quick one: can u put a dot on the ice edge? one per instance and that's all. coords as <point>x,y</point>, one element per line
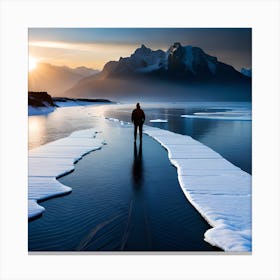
<point>220,191</point>
<point>52,161</point>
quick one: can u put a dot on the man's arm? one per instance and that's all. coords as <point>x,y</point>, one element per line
<point>143,117</point>
<point>132,116</point>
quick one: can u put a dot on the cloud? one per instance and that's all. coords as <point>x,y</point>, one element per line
<point>64,45</point>
<point>93,55</point>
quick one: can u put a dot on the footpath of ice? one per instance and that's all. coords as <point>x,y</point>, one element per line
<point>52,160</point>
<point>220,191</point>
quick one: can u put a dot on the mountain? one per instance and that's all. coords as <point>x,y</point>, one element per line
<point>179,72</point>
<point>143,60</point>
<point>56,79</point>
<point>246,72</point>
<point>182,63</point>
<point>82,71</point>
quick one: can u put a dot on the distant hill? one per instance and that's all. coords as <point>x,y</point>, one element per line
<point>40,99</point>
<point>56,79</point>
<point>82,71</point>
<point>181,72</point>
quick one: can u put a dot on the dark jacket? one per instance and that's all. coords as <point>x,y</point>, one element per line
<point>138,116</point>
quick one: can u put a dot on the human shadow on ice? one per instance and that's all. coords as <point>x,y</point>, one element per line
<point>137,167</point>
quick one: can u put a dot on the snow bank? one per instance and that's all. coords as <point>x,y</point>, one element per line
<point>53,160</point>
<point>228,115</point>
<point>122,123</point>
<point>112,119</point>
<point>219,190</point>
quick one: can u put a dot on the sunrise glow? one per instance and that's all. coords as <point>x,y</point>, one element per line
<point>32,63</point>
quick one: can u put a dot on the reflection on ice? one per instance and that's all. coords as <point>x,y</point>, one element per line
<point>36,126</point>
<point>137,168</point>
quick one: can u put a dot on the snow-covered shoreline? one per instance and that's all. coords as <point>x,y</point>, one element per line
<point>34,111</point>
<point>220,191</point>
<point>52,160</point>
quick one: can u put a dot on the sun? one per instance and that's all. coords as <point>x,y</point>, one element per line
<point>32,63</point>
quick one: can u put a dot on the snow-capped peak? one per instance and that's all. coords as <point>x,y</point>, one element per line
<point>183,62</point>
<point>143,50</point>
<point>190,59</point>
<point>145,60</point>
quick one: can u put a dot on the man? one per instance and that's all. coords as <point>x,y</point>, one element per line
<point>138,118</point>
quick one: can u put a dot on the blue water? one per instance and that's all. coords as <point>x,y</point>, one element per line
<point>231,138</point>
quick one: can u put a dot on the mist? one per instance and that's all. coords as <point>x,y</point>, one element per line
<point>147,90</point>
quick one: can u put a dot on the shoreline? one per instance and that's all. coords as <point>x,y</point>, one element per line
<point>60,102</point>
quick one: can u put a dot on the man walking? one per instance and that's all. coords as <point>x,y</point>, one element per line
<point>138,118</point>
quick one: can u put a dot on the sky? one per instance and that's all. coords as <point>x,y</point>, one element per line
<point>94,47</point>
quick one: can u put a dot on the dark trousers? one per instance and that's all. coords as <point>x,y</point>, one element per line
<point>136,125</point>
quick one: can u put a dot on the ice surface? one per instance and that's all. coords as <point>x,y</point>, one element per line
<point>34,209</point>
<point>122,123</point>
<point>72,103</point>
<point>227,115</point>
<point>113,119</point>
<point>40,110</point>
<point>52,160</point>
<point>219,190</point>
<point>158,121</point>
<point>32,111</point>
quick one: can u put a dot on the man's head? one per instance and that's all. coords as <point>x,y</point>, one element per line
<point>138,106</point>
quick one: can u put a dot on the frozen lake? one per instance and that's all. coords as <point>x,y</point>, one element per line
<point>230,134</point>
<point>147,206</point>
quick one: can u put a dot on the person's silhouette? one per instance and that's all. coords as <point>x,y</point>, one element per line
<point>138,118</point>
